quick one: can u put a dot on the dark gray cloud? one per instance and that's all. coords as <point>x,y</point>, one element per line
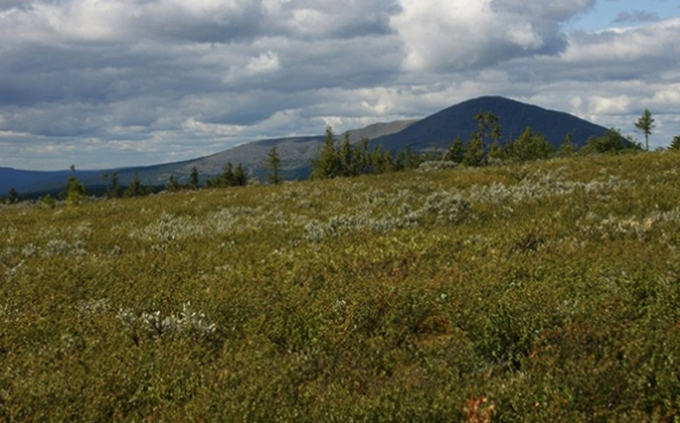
<point>147,81</point>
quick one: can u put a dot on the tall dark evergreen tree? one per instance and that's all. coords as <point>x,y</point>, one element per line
<point>474,152</point>
<point>532,146</point>
<point>113,190</point>
<point>136,189</point>
<point>274,166</point>
<point>675,144</point>
<point>228,177</point>
<point>173,184</point>
<point>328,165</point>
<point>347,156</point>
<point>646,124</point>
<point>74,191</point>
<point>455,151</point>
<point>13,196</point>
<point>567,148</point>
<point>240,176</point>
<point>193,178</point>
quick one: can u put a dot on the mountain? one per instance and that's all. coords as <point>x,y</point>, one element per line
<point>296,153</point>
<point>434,132</point>
<point>439,130</point>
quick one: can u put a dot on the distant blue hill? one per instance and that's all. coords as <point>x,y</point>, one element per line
<point>439,130</point>
<point>434,132</point>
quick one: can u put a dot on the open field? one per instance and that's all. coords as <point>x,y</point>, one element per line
<point>540,292</point>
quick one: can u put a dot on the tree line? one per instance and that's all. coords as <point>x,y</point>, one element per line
<point>345,159</point>
<point>484,146</point>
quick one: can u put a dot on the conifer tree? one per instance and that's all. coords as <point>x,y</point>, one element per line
<point>173,185</point>
<point>74,191</point>
<point>646,124</point>
<point>193,178</point>
<point>455,151</point>
<point>328,165</point>
<point>13,196</point>
<point>675,144</point>
<point>530,146</point>
<point>378,160</point>
<point>113,190</point>
<point>399,161</point>
<point>136,189</point>
<point>474,153</point>
<point>228,178</point>
<point>567,148</point>
<point>274,165</point>
<point>496,151</point>
<point>388,163</point>
<point>347,155</point>
<point>367,159</point>
<point>358,167</point>
<point>412,161</point>
<point>240,176</point>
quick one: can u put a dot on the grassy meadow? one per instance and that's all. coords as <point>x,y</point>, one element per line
<point>534,292</point>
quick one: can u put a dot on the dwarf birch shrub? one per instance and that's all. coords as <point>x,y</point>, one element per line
<point>521,292</point>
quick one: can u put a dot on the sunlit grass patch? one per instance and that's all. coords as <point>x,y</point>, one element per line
<point>541,292</point>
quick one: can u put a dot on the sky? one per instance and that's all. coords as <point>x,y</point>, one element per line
<point>112,83</point>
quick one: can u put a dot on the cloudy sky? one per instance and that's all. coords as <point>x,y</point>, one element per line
<point>110,83</point>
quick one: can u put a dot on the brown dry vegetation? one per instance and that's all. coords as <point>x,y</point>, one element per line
<point>526,292</point>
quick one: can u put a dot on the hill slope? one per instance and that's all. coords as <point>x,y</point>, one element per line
<point>436,131</point>
<point>296,153</point>
<point>531,292</point>
<point>440,129</point>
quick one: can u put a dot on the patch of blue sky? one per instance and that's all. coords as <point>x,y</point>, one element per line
<point>623,13</point>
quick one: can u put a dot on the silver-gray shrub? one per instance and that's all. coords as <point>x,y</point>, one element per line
<point>540,185</point>
<point>446,206</point>
<point>156,325</point>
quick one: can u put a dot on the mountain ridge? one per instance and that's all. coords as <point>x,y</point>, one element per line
<point>438,130</point>
<point>434,132</point>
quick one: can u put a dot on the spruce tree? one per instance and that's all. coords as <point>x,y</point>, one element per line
<point>193,178</point>
<point>240,176</point>
<point>455,151</point>
<point>412,160</point>
<point>113,190</point>
<point>474,153</point>
<point>378,160</point>
<point>228,178</point>
<point>274,166</point>
<point>74,191</point>
<point>136,189</point>
<point>646,124</point>
<point>388,162</point>
<point>531,146</point>
<point>675,144</point>
<point>347,156</point>
<point>173,185</point>
<point>567,148</point>
<point>366,157</point>
<point>328,165</point>
<point>496,151</point>
<point>13,196</point>
<point>358,167</point>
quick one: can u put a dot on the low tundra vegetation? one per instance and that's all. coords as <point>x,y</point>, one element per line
<point>522,292</point>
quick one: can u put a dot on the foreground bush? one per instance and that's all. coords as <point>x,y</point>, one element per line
<point>543,292</point>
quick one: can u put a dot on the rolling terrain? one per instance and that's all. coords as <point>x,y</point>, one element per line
<point>435,132</point>
<point>542,292</point>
